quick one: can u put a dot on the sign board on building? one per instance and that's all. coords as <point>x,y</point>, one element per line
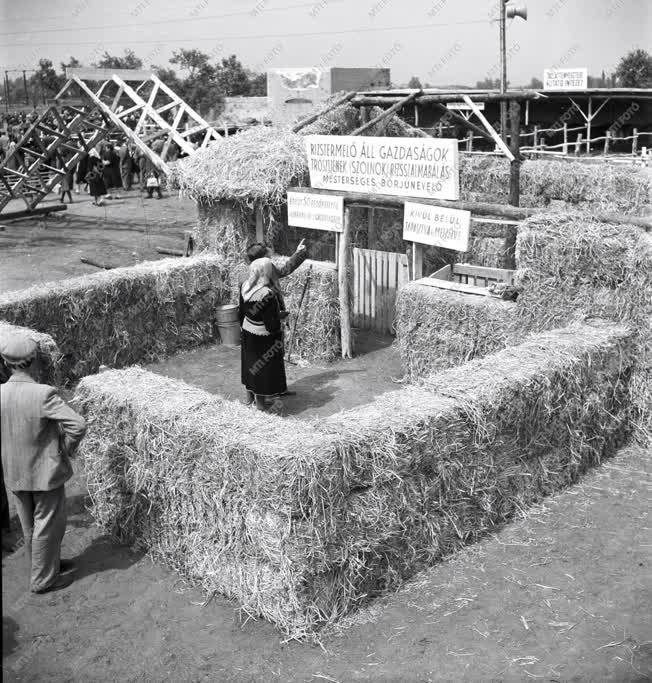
<point>316,211</point>
<point>463,106</point>
<point>565,79</point>
<point>437,226</point>
<point>406,167</point>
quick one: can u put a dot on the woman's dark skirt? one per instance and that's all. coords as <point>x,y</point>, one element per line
<point>263,365</point>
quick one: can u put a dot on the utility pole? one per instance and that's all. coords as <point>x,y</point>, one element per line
<point>503,70</point>
<point>7,91</point>
<point>25,85</point>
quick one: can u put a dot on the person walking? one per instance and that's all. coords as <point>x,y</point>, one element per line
<point>153,183</point>
<point>261,349</point>
<point>67,181</point>
<point>82,170</point>
<point>39,434</point>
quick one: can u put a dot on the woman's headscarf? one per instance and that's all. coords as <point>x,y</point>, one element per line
<point>261,274</point>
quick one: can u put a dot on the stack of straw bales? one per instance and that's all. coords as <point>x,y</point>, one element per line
<point>305,521</point>
<point>437,328</point>
<point>124,316</point>
<point>48,355</point>
<point>572,267</point>
<point>622,189</point>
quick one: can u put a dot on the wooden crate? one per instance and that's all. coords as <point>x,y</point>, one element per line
<point>462,277</point>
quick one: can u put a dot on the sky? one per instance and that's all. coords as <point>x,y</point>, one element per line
<point>440,41</point>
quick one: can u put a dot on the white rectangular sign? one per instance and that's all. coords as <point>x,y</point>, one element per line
<point>316,211</point>
<point>463,106</point>
<point>437,226</point>
<point>407,167</point>
<point>565,79</point>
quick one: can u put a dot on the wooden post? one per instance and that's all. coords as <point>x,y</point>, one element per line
<point>364,115</point>
<point>607,138</point>
<point>469,142</point>
<point>416,115</point>
<point>589,118</point>
<point>371,227</point>
<point>635,141</point>
<point>337,250</point>
<point>188,243</point>
<point>417,261</point>
<point>514,180</point>
<point>343,286</point>
<point>565,147</point>
<point>260,233</point>
<point>578,144</point>
<point>226,130</point>
<point>535,144</point>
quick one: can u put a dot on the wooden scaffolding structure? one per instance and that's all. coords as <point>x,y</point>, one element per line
<point>46,153</point>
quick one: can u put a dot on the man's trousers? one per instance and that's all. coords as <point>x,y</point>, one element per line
<point>42,516</point>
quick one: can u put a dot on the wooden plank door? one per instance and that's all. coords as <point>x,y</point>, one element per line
<point>377,277</point>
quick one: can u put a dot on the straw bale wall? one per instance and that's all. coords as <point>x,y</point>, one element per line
<point>437,328</point>
<point>572,267</point>
<point>48,356</point>
<point>124,316</point>
<point>624,189</point>
<point>308,519</point>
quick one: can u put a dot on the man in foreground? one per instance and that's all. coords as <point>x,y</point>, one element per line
<point>39,434</point>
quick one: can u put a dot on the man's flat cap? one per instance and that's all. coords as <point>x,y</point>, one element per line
<point>16,347</point>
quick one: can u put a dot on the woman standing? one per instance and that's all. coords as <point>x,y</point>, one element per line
<point>94,178</point>
<point>263,366</point>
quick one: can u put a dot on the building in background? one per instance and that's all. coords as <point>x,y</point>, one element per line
<point>295,93</point>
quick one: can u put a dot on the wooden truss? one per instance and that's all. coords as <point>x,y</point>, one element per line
<point>45,154</point>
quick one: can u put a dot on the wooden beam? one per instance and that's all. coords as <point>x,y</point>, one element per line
<point>311,119</point>
<point>364,99</point>
<point>343,286</point>
<point>490,129</point>
<point>517,213</point>
<point>387,113</point>
<point>27,213</point>
<point>154,158</point>
<point>463,121</point>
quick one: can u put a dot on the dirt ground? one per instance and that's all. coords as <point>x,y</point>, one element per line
<point>562,594</point>
<point>321,390</point>
<point>123,232</point>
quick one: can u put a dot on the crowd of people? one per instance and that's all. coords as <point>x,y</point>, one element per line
<point>112,166</point>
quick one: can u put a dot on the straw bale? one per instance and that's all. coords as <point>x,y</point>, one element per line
<point>437,328</point>
<point>599,188</point>
<point>304,520</point>
<point>571,267</point>
<point>48,355</point>
<point>126,315</point>
<point>257,164</point>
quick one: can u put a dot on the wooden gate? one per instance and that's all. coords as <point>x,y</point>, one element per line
<point>377,276</point>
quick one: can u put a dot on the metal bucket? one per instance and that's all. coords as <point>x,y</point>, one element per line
<point>228,324</point>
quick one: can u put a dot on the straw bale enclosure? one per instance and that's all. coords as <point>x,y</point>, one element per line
<point>304,523</point>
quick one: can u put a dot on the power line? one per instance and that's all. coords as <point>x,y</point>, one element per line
<point>252,12</point>
<point>216,38</point>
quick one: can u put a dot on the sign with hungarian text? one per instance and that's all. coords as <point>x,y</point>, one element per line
<point>436,226</point>
<point>316,211</point>
<point>406,167</point>
<point>565,79</point>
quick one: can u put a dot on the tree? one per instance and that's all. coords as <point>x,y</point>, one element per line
<point>488,84</point>
<point>129,61</point>
<point>232,78</point>
<point>257,84</point>
<point>536,83</point>
<point>635,69</point>
<point>192,61</point>
<point>49,81</point>
<point>414,83</point>
<point>73,63</point>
